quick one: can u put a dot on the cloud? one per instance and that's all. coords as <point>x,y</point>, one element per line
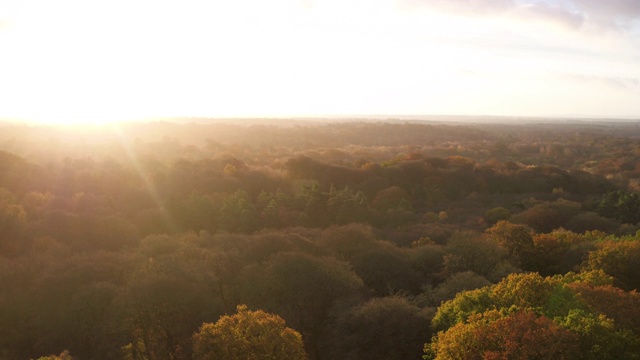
<point>551,13</point>
<point>619,9</point>
<point>619,83</point>
<point>529,10</point>
<point>612,14</point>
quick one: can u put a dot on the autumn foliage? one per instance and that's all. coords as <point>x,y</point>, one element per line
<point>370,239</point>
<point>248,335</point>
<point>492,336</point>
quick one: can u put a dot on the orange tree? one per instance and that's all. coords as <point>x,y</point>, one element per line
<point>248,335</point>
<point>576,316</point>
<point>493,335</point>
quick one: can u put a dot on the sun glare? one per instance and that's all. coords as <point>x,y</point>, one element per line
<point>73,119</point>
<point>222,60</point>
<point>74,62</point>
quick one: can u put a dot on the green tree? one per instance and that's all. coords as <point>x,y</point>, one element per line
<point>459,309</point>
<point>620,259</point>
<point>237,213</point>
<point>248,335</point>
<point>620,205</point>
<point>497,214</point>
<point>346,206</point>
<point>600,338</point>
<point>548,295</point>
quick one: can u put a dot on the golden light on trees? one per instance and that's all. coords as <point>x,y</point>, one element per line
<point>248,335</point>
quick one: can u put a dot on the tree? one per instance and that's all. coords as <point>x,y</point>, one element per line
<point>237,213</point>
<point>620,259</point>
<point>620,205</point>
<point>13,221</point>
<point>393,206</point>
<point>465,304</point>
<point>197,212</point>
<point>512,320</point>
<point>382,328</point>
<point>302,289</point>
<point>497,214</point>
<point>468,251</point>
<point>63,356</point>
<point>346,206</point>
<point>621,306</point>
<point>560,251</point>
<point>492,335</point>
<point>516,239</point>
<point>548,295</point>
<point>548,216</point>
<point>600,338</point>
<point>526,335</point>
<point>164,299</point>
<point>386,270</point>
<point>454,284</point>
<point>589,221</point>
<point>248,335</point>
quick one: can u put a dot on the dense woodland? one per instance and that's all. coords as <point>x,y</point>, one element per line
<point>349,240</point>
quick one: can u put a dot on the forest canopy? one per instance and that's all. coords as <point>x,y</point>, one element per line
<point>350,240</point>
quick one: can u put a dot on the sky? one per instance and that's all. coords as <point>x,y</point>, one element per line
<point>87,61</point>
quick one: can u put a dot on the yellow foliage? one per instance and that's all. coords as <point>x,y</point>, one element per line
<point>248,335</point>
